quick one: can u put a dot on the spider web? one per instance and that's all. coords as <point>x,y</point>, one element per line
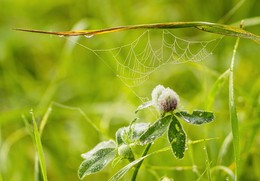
<point>134,62</point>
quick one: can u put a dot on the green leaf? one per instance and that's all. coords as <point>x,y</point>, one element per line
<point>155,131</point>
<point>166,179</point>
<point>233,113</point>
<point>128,167</point>
<point>97,158</point>
<point>177,138</point>
<point>144,105</point>
<point>125,169</point>
<point>130,134</point>
<point>216,88</point>
<point>197,117</point>
<point>40,153</point>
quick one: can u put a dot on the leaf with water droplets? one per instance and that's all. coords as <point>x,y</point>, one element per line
<point>197,117</point>
<point>177,138</point>
<point>155,130</point>
<point>144,105</point>
<point>97,158</point>
<point>129,134</point>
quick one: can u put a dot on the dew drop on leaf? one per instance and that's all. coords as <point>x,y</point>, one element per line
<point>177,127</point>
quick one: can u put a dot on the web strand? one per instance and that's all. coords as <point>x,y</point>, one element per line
<point>133,63</point>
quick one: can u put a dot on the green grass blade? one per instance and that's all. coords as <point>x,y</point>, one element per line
<point>37,167</point>
<point>39,148</point>
<point>229,31</point>
<point>233,112</point>
<point>207,162</point>
<point>125,169</point>
<point>232,11</point>
<point>45,120</point>
<point>6,146</point>
<point>224,169</point>
<point>254,21</point>
<point>0,152</point>
<point>216,89</point>
<point>224,148</point>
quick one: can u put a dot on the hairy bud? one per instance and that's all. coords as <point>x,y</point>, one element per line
<point>164,99</point>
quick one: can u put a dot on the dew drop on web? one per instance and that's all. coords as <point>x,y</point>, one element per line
<point>88,36</point>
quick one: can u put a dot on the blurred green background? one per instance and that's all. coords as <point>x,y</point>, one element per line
<point>36,70</point>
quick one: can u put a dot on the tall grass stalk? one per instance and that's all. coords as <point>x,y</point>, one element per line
<point>207,162</point>
<point>215,28</point>
<point>40,154</point>
<point>233,112</point>
<point>0,153</point>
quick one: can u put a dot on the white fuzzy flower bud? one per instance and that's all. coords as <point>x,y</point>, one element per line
<point>157,91</point>
<point>164,99</point>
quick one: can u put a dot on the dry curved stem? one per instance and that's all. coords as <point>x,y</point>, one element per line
<point>226,30</point>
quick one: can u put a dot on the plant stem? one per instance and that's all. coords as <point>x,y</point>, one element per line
<point>140,163</point>
<point>233,113</point>
<point>203,26</point>
<point>39,148</point>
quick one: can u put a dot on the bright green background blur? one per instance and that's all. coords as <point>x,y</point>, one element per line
<point>37,69</point>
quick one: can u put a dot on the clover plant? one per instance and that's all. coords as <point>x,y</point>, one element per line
<point>166,101</point>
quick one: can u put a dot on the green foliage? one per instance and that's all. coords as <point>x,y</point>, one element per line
<point>177,138</point>
<point>141,134</point>
<point>197,117</point>
<point>130,134</point>
<point>233,113</point>
<point>93,103</point>
<point>41,173</point>
<point>97,158</point>
<point>155,130</point>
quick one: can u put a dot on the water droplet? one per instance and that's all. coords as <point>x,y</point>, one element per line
<point>105,161</point>
<point>88,36</point>
<point>194,168</point>
<point>61,36</point>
